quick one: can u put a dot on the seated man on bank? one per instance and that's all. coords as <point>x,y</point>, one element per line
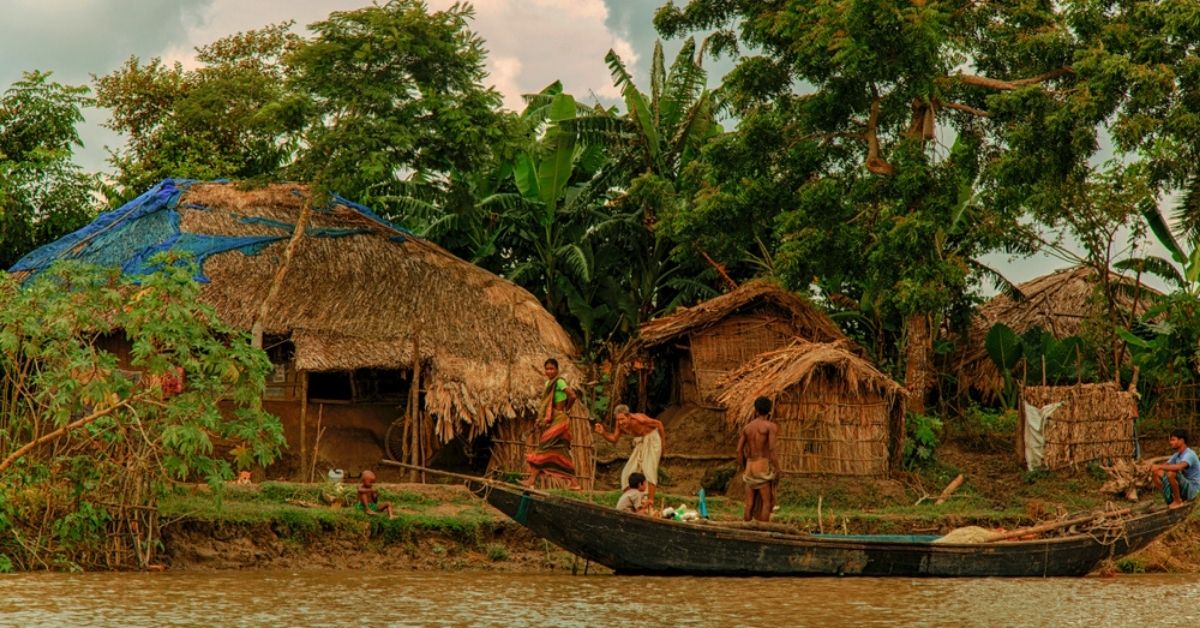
<point>1180,475</point>
<point>634,497</point>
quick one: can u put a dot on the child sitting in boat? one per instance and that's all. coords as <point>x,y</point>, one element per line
<point>634,498</point>
<point>1180,476</point>
<point>368,497</point>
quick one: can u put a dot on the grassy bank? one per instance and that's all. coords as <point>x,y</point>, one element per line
<point>445,527</point>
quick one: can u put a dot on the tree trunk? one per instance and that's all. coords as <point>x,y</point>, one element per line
<point>917,349</point>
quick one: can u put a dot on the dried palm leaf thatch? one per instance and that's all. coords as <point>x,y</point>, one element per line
<point>359,292</point>
<point>1060,303</point>
<point>725,332</point>
<point>836,412</point>
<point>805,318</point>
<point>1095,422</point>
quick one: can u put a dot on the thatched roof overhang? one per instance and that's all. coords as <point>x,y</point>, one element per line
<point>795,366</point>
<point>359,291</point>
<point>809,320</point>
<point>1060,303</point>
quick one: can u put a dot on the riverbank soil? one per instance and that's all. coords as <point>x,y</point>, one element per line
<point>444,527</point>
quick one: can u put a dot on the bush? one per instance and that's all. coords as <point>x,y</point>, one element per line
<point>920,446</point>
<point>983,429</point>
<point>497,552</point>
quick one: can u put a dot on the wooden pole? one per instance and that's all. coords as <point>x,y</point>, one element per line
<point>256,328</point>
<point>949,490</point>
<point>1055,525</point>
<point>303,420</point>
<point>414,412</point>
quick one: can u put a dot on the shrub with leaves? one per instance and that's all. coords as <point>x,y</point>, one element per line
<point>91,434</point>
<point>920,447</point>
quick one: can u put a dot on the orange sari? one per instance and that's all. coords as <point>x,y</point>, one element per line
<point>553,453</point>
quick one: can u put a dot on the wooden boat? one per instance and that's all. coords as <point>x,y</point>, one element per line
<point>636,544</point>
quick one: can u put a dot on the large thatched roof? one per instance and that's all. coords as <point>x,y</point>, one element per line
<point>358,293</point>
<point>807,318</point>
<point>1060,303</point>
<point>770,374</point>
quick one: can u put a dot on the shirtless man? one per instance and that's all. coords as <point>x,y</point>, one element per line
<point>649,440</point>
<point>761,471</point>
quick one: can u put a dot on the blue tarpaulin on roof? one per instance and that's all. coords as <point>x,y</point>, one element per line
<point>129,236</point>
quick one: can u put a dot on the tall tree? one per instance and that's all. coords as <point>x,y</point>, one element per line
<point>232,117</point>
<point>880,112</point>
<point>394,95</point>
<point>43,193</point>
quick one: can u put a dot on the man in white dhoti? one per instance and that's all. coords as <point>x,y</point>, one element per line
<point>649,441</point>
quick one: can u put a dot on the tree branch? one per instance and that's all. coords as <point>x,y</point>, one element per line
<point>965,108</point>
<point>16,455</point>
<point>997,84</point>
<point>875,163</point>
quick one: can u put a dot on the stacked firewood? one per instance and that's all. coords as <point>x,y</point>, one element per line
<point>1129,477</point>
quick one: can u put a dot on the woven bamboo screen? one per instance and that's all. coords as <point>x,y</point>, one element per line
<point>512,440</point>
<point>731,343</point>
<point>824,429</point>
<point>1095,422</point>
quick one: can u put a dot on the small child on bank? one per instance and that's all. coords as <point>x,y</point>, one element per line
<point>368,497</point>
<point>634,497</point>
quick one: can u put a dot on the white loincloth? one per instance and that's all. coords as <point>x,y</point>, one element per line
<point>644,459</point>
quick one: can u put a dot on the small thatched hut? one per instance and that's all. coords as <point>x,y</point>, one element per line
<point>706,342</point>
<point>1063,426</point>
<point>372,327</point>
<point>836,412</point>
<point>1060,303</point>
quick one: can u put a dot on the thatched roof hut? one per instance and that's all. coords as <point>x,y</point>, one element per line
<point>359,293</point>
<point>836,412</point>
<point>1083,423</point>
<point>1061,303</point>
<point>719,335</point>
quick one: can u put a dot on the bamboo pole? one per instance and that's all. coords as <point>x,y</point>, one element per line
<point>949,490</point>
<point>414,413</point>
<point>256,328</point>
<point>1055,525</point>
<point>303,420</point>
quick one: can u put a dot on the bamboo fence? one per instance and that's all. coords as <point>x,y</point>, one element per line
<point>1095,423</point>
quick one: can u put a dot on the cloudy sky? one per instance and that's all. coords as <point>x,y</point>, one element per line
<point>530,44</point>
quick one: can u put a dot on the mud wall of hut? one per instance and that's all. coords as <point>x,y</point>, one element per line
<point>732,342</point>
<point>825,430</point>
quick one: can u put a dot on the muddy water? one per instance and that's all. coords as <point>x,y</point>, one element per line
<point>408,598</point>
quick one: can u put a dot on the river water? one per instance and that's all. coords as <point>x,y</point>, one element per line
<point>309,598</point>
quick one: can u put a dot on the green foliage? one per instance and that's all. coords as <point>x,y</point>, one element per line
<point>1003,346</point>
<point>496,552</point>
<point>982,429</point>
<point>1036,475</point>
<point>1130,564</point>
<point>378,99</point>
<point>1040,357</point>
<point>43,194</point>
<point>390,89</point>
<point>232,117</point>
<point>112,433</point>
<point>922,440</point>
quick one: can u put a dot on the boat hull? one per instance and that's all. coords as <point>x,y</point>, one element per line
<point>636,544</point>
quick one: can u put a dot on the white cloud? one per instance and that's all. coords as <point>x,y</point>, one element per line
<point>530,43</point>
<point>551,40</point>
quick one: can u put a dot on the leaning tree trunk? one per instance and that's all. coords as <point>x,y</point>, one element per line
<point>917,349</point>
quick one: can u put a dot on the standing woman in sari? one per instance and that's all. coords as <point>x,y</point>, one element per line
<point>553,454</point>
